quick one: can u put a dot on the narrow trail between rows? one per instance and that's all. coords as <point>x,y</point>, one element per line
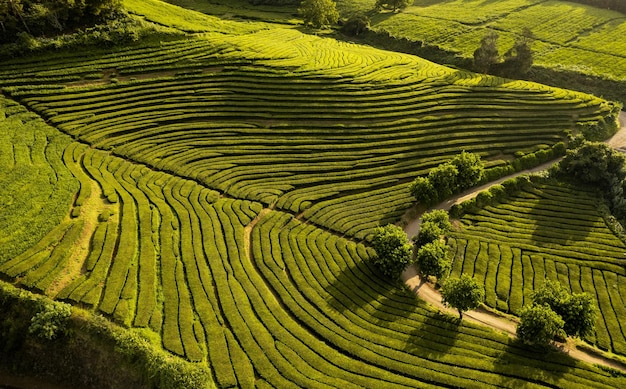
<point>501,322</point>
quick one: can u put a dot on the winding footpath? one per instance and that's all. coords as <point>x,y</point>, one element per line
<point>501,322</point>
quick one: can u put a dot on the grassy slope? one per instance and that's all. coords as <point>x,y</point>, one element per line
<point>293,304</point>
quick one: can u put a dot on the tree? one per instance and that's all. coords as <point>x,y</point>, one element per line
<point>318,13</point>
<point>443,179</point>
<point>434,224</point>
<point>432,259</point>
<point>423,190</point>
<point>470,169</point>
<point>429,232</point>
<point>487,54</point>
<point>393,250</point>
<point>393,5</point>
<point>594,163</point>
<point>519,59</point>
<point>577,310</point>
<point>539,325</point>
<point>462,293</point>
<point>439,217</point>
<point>356,24</point>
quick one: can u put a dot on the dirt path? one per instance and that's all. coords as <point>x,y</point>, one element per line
<point>500,322</point>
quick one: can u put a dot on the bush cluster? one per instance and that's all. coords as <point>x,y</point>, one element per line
<point>50,17</point>
<point>554,312</point>
<point>462,172</point>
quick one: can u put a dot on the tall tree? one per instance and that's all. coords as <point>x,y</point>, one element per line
<point>487,54</point>
<point>319,13</point>
<point>519,59</point>
<point>462,293</point>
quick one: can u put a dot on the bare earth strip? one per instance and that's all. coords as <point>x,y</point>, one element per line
<point>499,322</point>
<point>92,207</point>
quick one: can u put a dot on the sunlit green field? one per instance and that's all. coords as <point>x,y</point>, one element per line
<point>220,191</point>
<point>569,35</point>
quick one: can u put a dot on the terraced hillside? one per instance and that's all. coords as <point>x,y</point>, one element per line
<point>224,189</point>
<point>569,35</point>
<point>548,231</point>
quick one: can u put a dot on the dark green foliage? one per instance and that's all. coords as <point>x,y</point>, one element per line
<point>539,325</point>
<point>444,180</point>
<point>577,310</point>
<point>393,5</point>
<point>356,24</point>
<point>434,225</point>
<point>51,320</point>
<point>519,59</point>
<point>37,17</point>
<point>424,191</point>
<point>487,54</point>
<point>432,259</point>
<point>594,163</point>
<point>274,2</point>
<point>462,172</point>
<point>319,13</point>
<point>462,293</point>
<point>393,250</point>
<point>469,169</point>
<point>428,233</point>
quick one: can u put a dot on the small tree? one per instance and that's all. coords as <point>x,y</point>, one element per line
<point>393,5</point>
<point>539,325</point>
<point>438,217</point>
<point>432,259</point>
<point>318,13</point>
<point>462,293</point>
<point>434,224</point>
<point>423,190</point>
<point>443,179</point>
<point>470,169</point>
<point>487,54</point>
<point>356,25</point>
<point>393,250</point>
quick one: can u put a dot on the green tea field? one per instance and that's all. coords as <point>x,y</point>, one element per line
<point>568,35</point>
<point>220,190</point>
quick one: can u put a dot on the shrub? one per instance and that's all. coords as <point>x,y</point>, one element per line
<point>51,320</point>
<point>356,25</point>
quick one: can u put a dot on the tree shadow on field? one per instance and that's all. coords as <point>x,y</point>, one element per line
<point>359,289</point>
<point>556,224</point>
<point>435,336</point>
<point>520,363</point>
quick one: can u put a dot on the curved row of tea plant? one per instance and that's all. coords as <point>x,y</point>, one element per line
<point>339,145</point>
<point>546,231</point>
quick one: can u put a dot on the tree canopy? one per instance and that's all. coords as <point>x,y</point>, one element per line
<point>434,224</point>
<point>46,17</point>
<point>393,250</point>
<point>319,13</point>
<point>462,293</point>
<point>539,325</point>
<point>577,310</point>
<point>486,55</point>
<point>432,259</point>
